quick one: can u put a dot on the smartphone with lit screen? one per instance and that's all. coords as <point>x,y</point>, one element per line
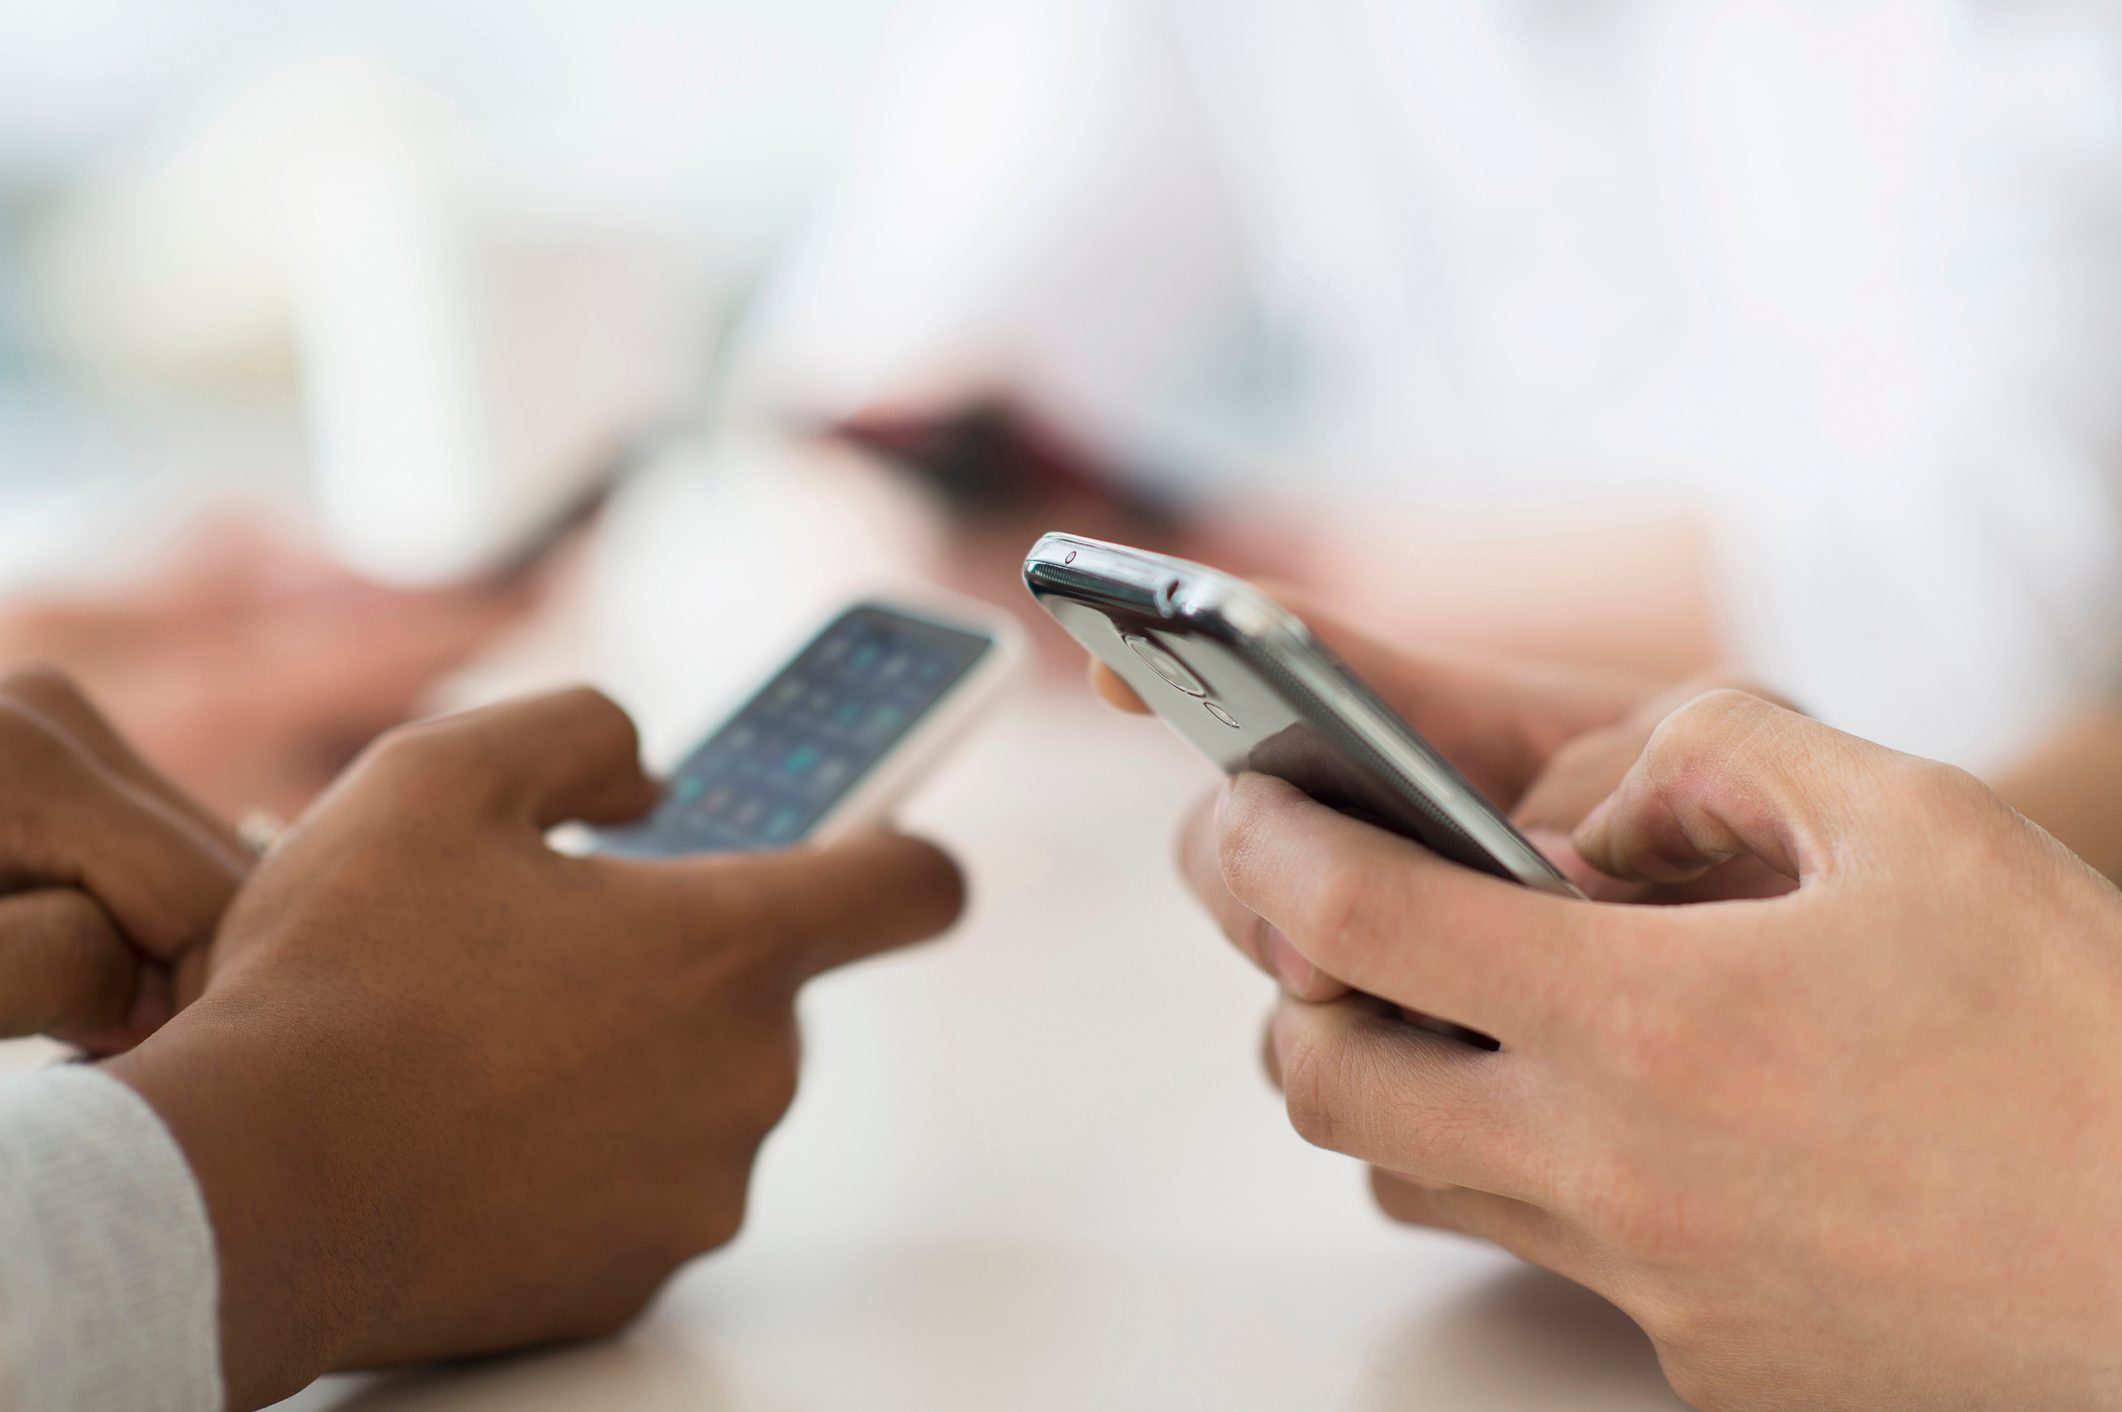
<point>833,739</point>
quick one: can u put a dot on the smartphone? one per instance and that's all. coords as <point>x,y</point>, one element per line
<point>1245,681</point>
<point>833,739</point>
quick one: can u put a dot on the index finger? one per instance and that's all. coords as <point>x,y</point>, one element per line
<point>1202,872</point>
<point>70,821</point>
<point>55,697</point>
<point>1393,919</point>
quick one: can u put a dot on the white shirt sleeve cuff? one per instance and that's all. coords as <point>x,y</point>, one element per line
<point>108,1286</point>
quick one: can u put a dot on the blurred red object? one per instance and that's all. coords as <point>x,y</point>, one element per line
<point>249,666</point>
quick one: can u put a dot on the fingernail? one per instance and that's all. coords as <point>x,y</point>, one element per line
<point>1298,974</point>
<point>1223,794</point>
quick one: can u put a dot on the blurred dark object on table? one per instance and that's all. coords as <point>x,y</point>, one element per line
<point>991,460</point>
<point>1000,477</point>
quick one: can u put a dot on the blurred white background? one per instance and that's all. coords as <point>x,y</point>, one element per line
<point>159,220</point>
<point>719,112</point>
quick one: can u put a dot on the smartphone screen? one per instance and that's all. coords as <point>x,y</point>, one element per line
<point>773,771</point>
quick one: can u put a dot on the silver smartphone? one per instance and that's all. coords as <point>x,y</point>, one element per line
<point>1245,681</point>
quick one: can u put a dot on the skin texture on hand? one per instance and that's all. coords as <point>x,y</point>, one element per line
<point>111,880</point>
<point>452,1092</point>
<point>1851,1146</point>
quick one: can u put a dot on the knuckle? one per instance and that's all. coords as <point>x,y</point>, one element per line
<point>772,1090</point>
<point>1701,720</point>
<point>1252,852</point>
<point>722,1223</point>
<point>1238,840</point>
<point>1691,1380</point>
<point>29,751</point>
<point>599,713</point>
<point>426,754</point>
<point>1952,813</point>
<point>401,745</point>
<point>1722,704</point>
<point>591,724</point>
<point>1728,683</point>
<point>1948,793</point>
<point>1711,1359</point>
<point>45,687</point>
<point>71,917</point>
<point>1336,901</point>
<point>615,1309</point>
<point>764,961</point>
<point>1706,738</point>
<point>1314,1080</point>
<point>716,1220</point>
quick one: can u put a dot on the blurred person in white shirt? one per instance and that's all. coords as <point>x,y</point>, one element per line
<point>1783,336</point>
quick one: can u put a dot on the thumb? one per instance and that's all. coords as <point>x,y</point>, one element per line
<point>811,909</point>
<point>1730,774</point>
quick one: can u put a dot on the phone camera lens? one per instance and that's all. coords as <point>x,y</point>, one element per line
<point>1222,715</point>
<point>1164,664</point>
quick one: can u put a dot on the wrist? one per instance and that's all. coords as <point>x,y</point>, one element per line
<point>293,1226</point>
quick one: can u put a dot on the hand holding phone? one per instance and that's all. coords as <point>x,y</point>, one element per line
<point>1247,684</point>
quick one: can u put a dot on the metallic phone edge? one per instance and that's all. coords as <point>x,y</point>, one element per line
<point>1236,612</point>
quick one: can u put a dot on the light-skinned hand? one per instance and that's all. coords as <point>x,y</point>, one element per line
<point>1853,1146</point>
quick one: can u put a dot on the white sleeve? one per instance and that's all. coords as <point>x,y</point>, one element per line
<point>1034,209</point>
<point>108,1286</point>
